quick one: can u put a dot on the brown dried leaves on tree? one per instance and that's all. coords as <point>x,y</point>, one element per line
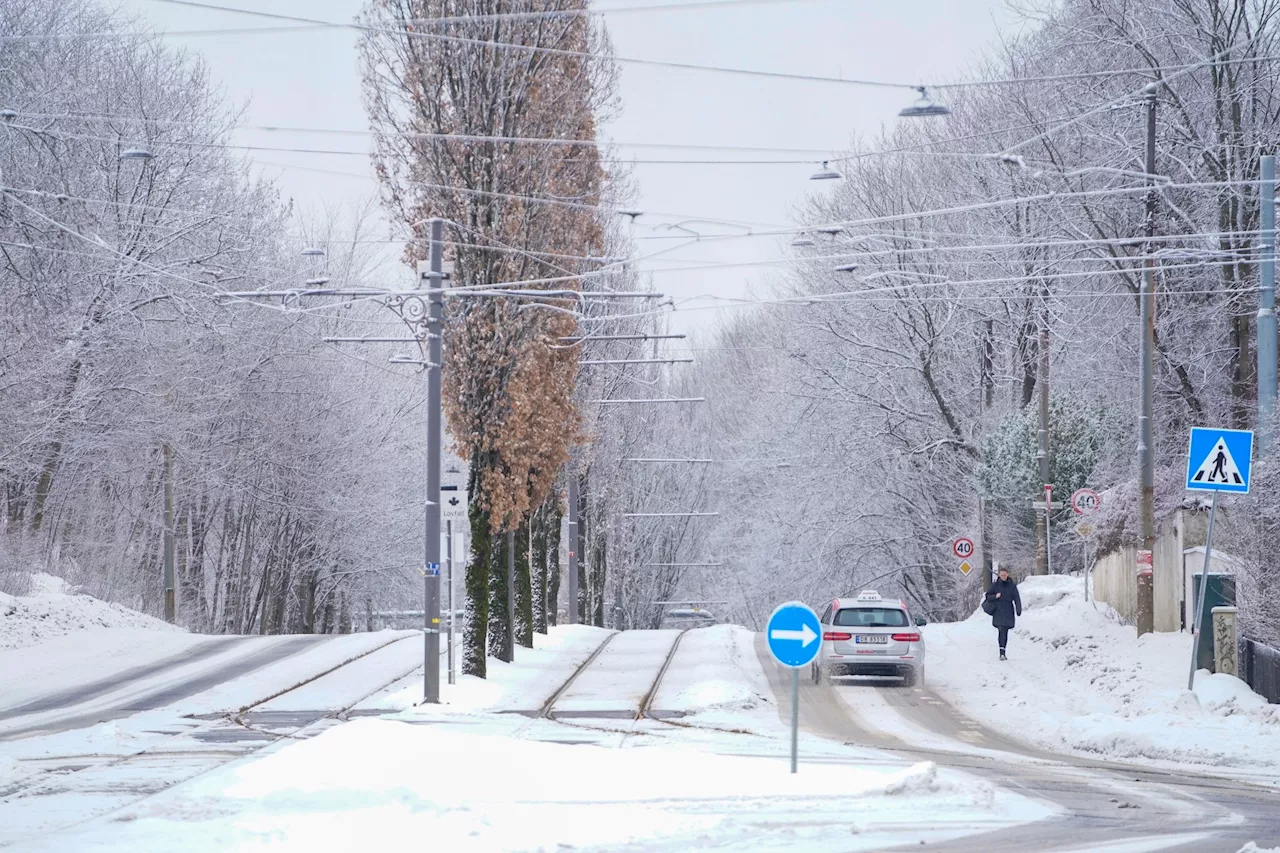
<point>508,384</point>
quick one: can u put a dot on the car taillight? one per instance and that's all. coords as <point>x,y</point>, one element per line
<point>907,638</point>
<point>837,635</point>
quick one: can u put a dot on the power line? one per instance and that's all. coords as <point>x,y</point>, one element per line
<point>547,51</point>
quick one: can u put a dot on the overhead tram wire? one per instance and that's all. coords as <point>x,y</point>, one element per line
<point>698,5</point>
<point>546,51</point>
<point>303,23</point>
<point>840,255</point>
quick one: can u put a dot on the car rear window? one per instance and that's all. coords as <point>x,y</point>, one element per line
<point>871,617</point>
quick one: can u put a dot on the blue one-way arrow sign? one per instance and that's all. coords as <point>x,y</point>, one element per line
<point>1219,460</point>
<point>794,634</point>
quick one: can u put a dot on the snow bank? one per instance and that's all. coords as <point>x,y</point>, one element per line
<point>1078,680</point>
<point>362,785</point>
<point>51,612</point>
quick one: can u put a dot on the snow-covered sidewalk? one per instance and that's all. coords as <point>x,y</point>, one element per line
<point>1079,681</point>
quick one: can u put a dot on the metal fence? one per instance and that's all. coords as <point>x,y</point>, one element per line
<point>1260,668</point>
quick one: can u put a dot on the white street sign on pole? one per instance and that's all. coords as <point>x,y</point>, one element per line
<point>453,496</point>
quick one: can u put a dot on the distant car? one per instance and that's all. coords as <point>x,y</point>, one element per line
<point>688,617</point>
<point>870,636</point>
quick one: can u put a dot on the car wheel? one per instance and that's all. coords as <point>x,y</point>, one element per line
<point>909,680</point>
<point>816,670</point>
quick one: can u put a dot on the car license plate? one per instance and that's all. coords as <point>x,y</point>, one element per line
<point>871,638</point>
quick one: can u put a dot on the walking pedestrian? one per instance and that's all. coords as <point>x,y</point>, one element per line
<point>1003,602</point>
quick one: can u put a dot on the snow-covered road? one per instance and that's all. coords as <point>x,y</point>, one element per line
<point>137,725</point>
<point>1104,806</point>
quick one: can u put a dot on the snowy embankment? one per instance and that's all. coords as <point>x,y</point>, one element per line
<point>1077,680</point>
<point>50,612</point>
<point>504,781</point>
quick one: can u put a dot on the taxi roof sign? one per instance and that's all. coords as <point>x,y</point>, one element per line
<point>869,595</point>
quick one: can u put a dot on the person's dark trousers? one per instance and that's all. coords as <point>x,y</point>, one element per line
<point>1004,638</point>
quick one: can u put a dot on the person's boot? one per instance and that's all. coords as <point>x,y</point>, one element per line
<point>1002,657</point>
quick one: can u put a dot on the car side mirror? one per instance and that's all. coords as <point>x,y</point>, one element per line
<point>920,622</point>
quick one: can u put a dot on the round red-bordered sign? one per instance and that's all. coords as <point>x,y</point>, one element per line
<point>962,547</point>
<point>1085,501</point>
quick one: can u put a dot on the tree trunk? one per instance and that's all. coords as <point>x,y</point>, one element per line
<point>538,575</point>
<point>477,583</point>
<point>524,589</point>
<point>500,638</point>
<point>552,566</point>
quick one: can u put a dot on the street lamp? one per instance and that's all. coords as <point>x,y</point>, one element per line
<point>136,154</point>
<point>313,252</point>
<point>924,107</point>
<point>803,241</point>
<point>826,173</point>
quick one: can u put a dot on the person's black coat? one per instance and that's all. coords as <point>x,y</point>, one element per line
<point>1007,604</point>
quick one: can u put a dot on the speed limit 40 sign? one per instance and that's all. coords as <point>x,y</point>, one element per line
<point>962,547</point>
<point>1085,501</point>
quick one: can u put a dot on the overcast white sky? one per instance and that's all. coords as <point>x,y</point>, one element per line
<point>310,79</point>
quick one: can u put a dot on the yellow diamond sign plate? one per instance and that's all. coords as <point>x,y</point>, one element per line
<point>965,568</point>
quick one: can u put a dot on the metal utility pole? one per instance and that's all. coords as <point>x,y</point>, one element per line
<point>435,442</point>
<point>1146,441</point>
<point>1267,342</point>
<point>170,600</point>
<point>1044,559</point>
<point>573,549</point>
<point>985,359</point>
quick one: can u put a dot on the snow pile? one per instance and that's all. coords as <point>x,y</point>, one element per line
<point>51,612</point>
<point>1078,680</point>
<point>13,774</point>
<point>367,784</point>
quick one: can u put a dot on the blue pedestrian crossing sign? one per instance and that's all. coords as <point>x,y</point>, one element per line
<point>794,634</point>
<point>1218,460</point>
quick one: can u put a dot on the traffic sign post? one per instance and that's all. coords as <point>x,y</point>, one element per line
<point>453,507</point>
<point>962,547</point>
<point>965,568</point>
<point>1084,503</point>
<point>1218,460</point>
<point>794,635</point>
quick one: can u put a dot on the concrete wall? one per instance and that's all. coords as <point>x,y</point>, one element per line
<point>1115,579</point>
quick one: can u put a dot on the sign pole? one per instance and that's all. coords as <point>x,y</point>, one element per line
<point>795,716</point>
<point>1204,584</point>
<point>1048,529</point>
<point>794,637</point>
<point>448,544</point>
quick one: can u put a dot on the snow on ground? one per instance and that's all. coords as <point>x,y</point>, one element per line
<point>50,612</point>
<point>363,785</point>
<point>716,678</point>
<point>621,676</point>
<point>474,781</point>
<point>1078,680</point>
<point>520,686</point>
